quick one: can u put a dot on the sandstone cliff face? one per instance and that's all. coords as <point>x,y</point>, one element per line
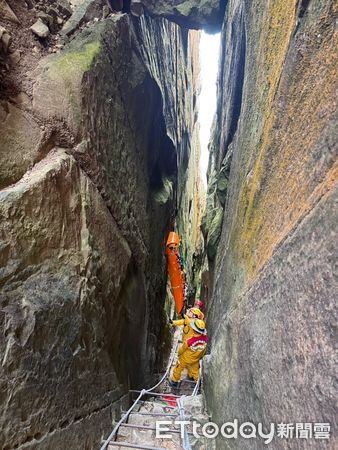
<point>190,193</point>
<point>271,219</point>
<point>97,149</point>
<point>88,175</point>
<point>59,284</point>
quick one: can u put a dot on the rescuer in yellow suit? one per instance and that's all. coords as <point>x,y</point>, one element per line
<point>192,313</point>
<point>190,353</point>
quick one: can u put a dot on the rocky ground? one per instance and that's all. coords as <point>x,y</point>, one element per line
<point>28,45</point>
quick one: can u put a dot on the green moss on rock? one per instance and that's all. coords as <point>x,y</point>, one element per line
<point>57,90</point>
<point>214,234</point>
<point>78,61</point>
<point>165,193</point>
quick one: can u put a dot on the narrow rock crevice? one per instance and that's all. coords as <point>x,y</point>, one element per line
<point>238,73</point>
<point>99,160</point>
<point>303,6</point>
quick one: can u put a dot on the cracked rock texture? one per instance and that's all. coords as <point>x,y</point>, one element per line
<point>89,169</point>
<point>273,177</point>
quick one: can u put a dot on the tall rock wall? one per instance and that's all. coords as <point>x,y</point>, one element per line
<point>271,221</point>
<point>89,155</point>
<point>191,192</point>
<point>180,109</point>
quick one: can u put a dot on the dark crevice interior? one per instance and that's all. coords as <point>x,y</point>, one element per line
<point>126,6</point>
<point>303,7</point>
<point>236,100</point>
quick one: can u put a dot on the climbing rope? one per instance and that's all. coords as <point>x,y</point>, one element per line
<point>119,423</point>
<point>143,392</point>
<point>197,386</point>
<point>185,440</point>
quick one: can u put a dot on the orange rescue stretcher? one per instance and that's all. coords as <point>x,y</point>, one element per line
<point>175,271</point>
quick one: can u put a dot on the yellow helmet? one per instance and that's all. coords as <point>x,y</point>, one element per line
<point>198,325</point>
<point>197,313</point>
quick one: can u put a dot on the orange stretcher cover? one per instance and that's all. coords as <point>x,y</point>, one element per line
<point>174,270</point>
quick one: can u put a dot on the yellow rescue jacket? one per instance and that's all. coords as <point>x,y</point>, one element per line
<point>194,348</point>
<point>188,332</point>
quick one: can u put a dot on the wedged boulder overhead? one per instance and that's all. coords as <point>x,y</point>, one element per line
<point>194,14</point>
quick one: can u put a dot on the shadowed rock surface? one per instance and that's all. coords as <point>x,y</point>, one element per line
<point>187,13</point>
<point>88,150</point>
<point>62,258</point>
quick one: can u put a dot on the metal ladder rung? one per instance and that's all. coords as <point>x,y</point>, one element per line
<point>129,445</point>
<point>159,404</point>
<point>155,393</point>
<point>151,414</point>
<point>147,427</point>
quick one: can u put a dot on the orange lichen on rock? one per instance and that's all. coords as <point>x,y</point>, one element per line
<point>294,166</point>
